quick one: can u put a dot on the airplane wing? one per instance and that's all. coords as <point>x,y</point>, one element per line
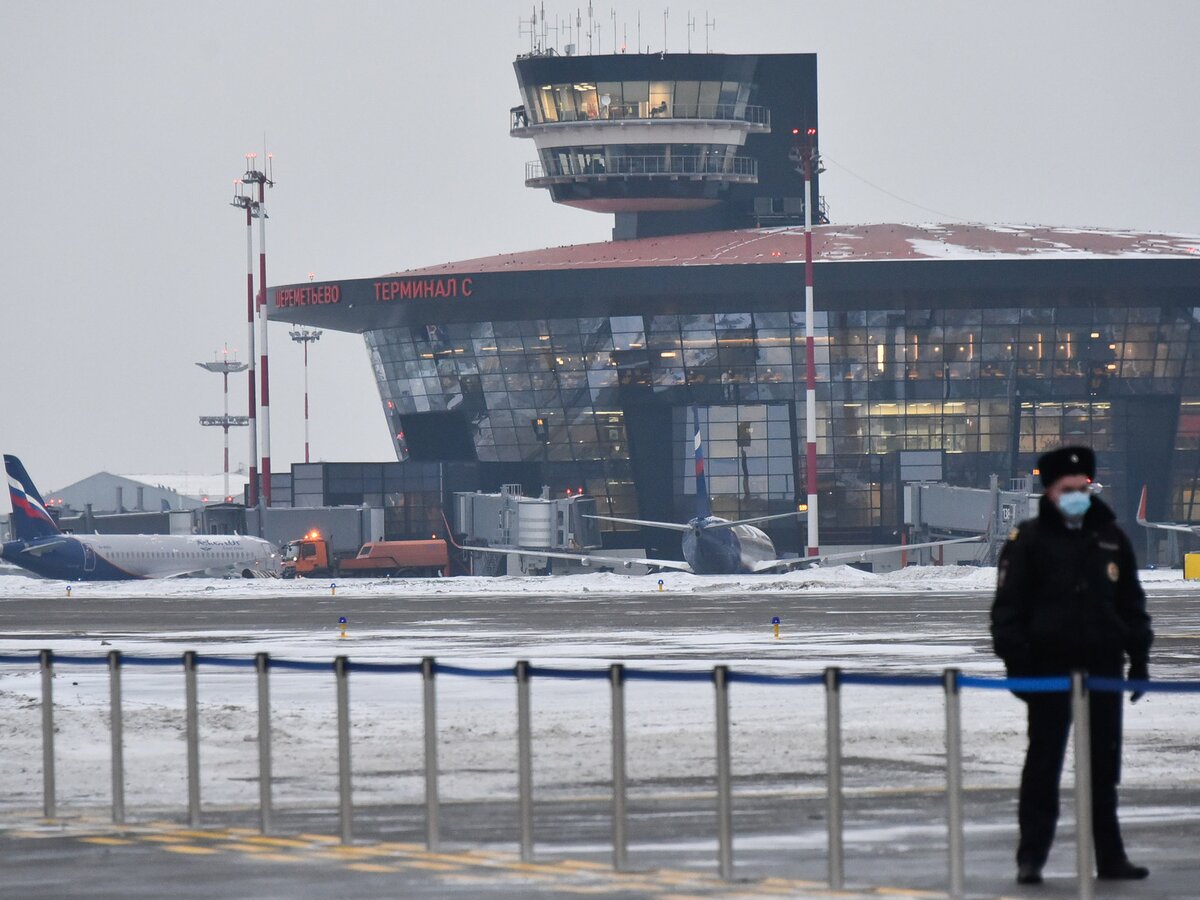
<point>584,559</point>
<point>669,526</point>
<point>1161,526</point>
<point>786,565</point>
<point>791,515</point>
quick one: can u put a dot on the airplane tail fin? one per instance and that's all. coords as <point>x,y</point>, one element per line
<point>1141,511</point>
<point>29,517</point>
<point>703,505</point>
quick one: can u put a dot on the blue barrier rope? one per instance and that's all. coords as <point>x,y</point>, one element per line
<point>390,668</point>
<point>892,680</point>
<point>443,669</point>
<point>550,672</point>
<point>751,678</point>
<point>651,675</point>
<point>151,661</point>
<point>1057,684</point>
<point>1116,685</point>
<point>300,665</point>
<point>229,662</point>
<point>1045,684</point>
<point>80,660</point>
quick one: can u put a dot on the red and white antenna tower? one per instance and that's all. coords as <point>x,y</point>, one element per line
<point>259,211</point>
<point>806,150</point>
<point>243,201</point>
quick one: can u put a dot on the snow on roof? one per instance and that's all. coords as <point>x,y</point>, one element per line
<point>197,486</point>
<point>840,243</point>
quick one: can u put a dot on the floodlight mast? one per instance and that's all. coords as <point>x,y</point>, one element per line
<point>262,178</point>
<point>225,366</point>
<point>305,336</point>
<point>243,201</point>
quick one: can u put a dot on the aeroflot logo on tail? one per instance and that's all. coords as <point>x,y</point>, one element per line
<point>423,288</point>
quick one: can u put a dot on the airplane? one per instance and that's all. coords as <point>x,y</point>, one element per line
<point>1161,526</point>
<point>40,547</point>
<point>713,545</point>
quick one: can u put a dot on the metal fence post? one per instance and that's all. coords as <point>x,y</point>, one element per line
<point>46,661</point>
<point>616,677</point>
<point>192,727</point>
<point>833,762</point>
<point>954,783</point>
<point>432,838</point>
<point>724,778</point>
<point>345,795</point>
<point>1080,714</point>
<point>262,665</point>
<point>118,742</point>
<point>524,761</point>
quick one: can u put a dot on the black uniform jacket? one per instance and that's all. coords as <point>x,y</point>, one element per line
<point>1069,598</point>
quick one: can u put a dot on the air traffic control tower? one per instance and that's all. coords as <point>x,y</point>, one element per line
<point>669,143</point>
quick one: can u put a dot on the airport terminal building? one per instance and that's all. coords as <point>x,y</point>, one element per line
<point>576,367</point>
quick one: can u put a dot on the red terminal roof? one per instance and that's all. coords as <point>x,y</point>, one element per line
<point>838,243</point>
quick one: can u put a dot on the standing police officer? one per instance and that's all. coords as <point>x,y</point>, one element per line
<point>1068,597</point>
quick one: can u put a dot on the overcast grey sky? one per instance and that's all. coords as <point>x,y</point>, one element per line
<point>124,125</point>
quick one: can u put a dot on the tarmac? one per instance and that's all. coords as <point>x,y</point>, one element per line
<point>895,839</point>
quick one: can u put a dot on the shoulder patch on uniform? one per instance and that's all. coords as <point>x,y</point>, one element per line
<point>1106,546</point>
<point>1014,534</point>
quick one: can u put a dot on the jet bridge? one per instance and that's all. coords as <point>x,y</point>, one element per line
<point>935,510</point>
<point>510,520</point>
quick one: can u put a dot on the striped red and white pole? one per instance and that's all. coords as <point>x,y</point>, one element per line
<point>252,499</point>
<point>262,319</point>
<point>810,393</point>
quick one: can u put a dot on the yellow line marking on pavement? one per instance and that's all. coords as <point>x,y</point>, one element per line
<point>111,841</point>
<point>319,838</point>
<point>213,835</point>
<point>243,848</point>
<point>431,866</point>
<point>905,892</point>
<point>282,857</point>
<point>371,867</point>
<point>584,864</point>
<point>278,842</point>
<point>403,847</point>
<point>159,838</point>
<point>188,848</point>
<point>243,831</point>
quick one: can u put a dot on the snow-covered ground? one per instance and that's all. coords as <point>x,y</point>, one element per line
<point>837,579</point>
<point>893,736</point>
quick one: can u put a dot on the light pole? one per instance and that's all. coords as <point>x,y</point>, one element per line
<point>305,336</point>
<point>225,366</point>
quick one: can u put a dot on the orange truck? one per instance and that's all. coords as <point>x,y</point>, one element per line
<point>311,556</point>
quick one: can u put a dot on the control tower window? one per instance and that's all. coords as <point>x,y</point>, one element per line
<point>687,99</point>
<point>564,100</point>
<point>546,107</point>
<point>609,95</point>
<point>586,103</point>
<point>710,99</point>
<point>660,98</point>
<point>635,99</point>
<point>730,97</point>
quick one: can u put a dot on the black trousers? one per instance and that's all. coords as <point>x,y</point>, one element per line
<point>1049,727</point>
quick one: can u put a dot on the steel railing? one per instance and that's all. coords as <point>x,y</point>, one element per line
<point>733,167</point>
<point>951,681</point>
<point>757,116</point>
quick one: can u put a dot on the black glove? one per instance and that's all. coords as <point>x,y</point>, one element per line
<point>1138,671</point>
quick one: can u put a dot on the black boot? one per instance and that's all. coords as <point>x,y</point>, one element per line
<point>1122,871</point>
<point>1029,874</point>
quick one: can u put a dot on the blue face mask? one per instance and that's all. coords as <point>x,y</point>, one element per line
<point>1073,504</point>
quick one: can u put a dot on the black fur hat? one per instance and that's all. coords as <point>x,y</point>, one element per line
<point>1066,461</point>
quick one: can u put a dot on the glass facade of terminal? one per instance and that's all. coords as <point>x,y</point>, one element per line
<point>991,387</point>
